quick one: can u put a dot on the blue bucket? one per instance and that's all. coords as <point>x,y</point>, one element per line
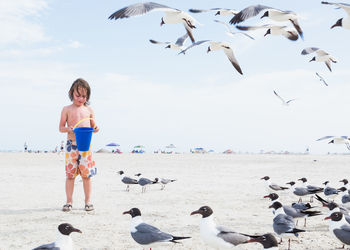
<point>83,137</point>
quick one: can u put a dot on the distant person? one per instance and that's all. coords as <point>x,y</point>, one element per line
<point>25,147</point>
<point>77,163</point>
<point>61,148</point>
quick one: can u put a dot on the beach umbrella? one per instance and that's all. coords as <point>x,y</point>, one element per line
<point>139,146</point>
<point>112,144</point>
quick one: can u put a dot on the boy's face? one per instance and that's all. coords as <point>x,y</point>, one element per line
<point>79,96</point>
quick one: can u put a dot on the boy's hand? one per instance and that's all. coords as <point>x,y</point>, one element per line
<point>96,129</point>
<point>70,129</point>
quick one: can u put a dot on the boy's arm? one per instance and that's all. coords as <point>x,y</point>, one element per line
<point>92,122</point>
<point>63,121</point>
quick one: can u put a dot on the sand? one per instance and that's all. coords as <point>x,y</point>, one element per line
<point>33,193</point>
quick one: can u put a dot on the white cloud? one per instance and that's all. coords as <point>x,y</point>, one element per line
<point>16,24</point>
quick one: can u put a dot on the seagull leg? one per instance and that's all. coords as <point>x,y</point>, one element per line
<point>280,241</point>
<point>296,223</point>
<point>300,200</point>
<point>304,222</point>
<point>288,244</point>
<point>311,199</point>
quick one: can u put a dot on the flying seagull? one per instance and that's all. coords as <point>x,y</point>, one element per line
<point>344,139</point>
<point>218,46</point>
<point>272,13</point>
<point>64,241</point>
<point>285,103</point>
<point>321,79</point>
<point>231,33</point>
<point>172,16</point>
<point>274,30</point>
<point>321,56</point>
<point>218,11</point>
<point>145,234</point>
<point>345,23</point>
<point>178,45</point>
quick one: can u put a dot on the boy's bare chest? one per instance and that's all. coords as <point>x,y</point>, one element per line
<point>76,115</point>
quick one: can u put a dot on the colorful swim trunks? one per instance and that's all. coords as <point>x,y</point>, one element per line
<point>79,162</point>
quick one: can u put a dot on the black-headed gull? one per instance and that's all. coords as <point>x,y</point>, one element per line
<point>64,241</point>
<point>127,180</point>
<point>178,45</point>
<point>284,102</point>
<point>342,22</point>
<point>143,182</point>
<point>271,187</point>
<point>321,56</point>
<point>145,234</point>
<point>274,30</point>
<point>226,47</point>
<point>272,13</point>
<point>172,16</point>
<point>339,227</point>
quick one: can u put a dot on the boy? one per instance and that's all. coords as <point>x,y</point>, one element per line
<point>75,162</point>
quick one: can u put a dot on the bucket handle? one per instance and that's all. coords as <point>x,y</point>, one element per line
<point>88,118</point>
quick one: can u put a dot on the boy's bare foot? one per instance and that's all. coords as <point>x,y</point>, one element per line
<point>67,207</point>
<point>89,207</point>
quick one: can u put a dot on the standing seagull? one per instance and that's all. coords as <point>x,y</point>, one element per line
<point>321,79</point>
<point>218,11</point>
<point>267,240</point>
<point>217,236</point>
<point>218,46</point>
<point>143,182</point>
<point>127,180</point>
<point>339,227</point>
<point>64,241</point>
<point>271,187</point>
<point>283,224</point>
<point>274,30</point>
<point>165,181</point>
<point>172,16</point>
<point>321,56</point>
<point>178,45</point>
<point>285,103</point>
<point>272,13</point>
<point>345,23</point>
<point>329,191</point>
<point>145,234</point>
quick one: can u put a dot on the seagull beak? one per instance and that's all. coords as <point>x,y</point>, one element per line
<point>327,218</point>
<point>270,206</point>
<point>267,196</point>
<point>76,230</point>
<point>126,212</point>
<point>195,212</point>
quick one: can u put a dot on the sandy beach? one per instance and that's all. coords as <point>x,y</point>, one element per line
<point>33,194</point>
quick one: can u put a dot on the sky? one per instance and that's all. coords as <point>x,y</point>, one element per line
<point>143,94</point>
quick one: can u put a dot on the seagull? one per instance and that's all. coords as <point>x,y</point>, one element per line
<point>272,13</point>
<point>219,11</point>
<point>285,103</point>
<point>127,180</point>
<point>283,225</point>
<point>64,241</point>
<point>231,33</point>
<point>164,181</point>
<point>273,30</point>
<point>300,205</point>
<point>329,191</point>
<point>311,188</point>
<point>339,227</point>
<point>218,46</point>
<point>334,207</point>
<point>217,236</point>
<point>145,234</point>
<point>345,182</point>
<point>345,199</point>
<point>321,79</point>
<point>272,186</point>
<point>143,182</point>
<point>267,240</point>
<point>172,16</point>
<point>300,191</point>
<point>178,45</point>
<point>321,56</point>
<point>345,23</point>
<point>344,139</point>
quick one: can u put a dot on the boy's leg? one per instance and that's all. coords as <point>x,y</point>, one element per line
<point>87,189</point>
<point>69,189</point>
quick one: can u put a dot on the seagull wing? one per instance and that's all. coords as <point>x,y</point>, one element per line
<point>297,26</point>
<point>248,12</point>
<point>290,101</point>
<point>226,25</point>
<point>265,26</point>
<point>279,97</point>
<point>147,234</point>
<point>328,63</point>
<point>232,34</point>
<point>139,9</point>
<point>344,6</point>
<point>180,41</point>
<point>192,45</point>
<point>231,236</point>
<point>309,50</point>
<point>229,53</point>
<point>198,11</point>
<point>50,246</point>
<point>322,79</point>
<point>325,137</point>
<point>156,42</point>
<point>291,35</point>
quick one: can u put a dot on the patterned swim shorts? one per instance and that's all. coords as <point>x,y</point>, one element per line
<point>79,162</point>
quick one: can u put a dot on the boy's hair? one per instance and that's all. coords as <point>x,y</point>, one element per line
<point>80,83</point>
